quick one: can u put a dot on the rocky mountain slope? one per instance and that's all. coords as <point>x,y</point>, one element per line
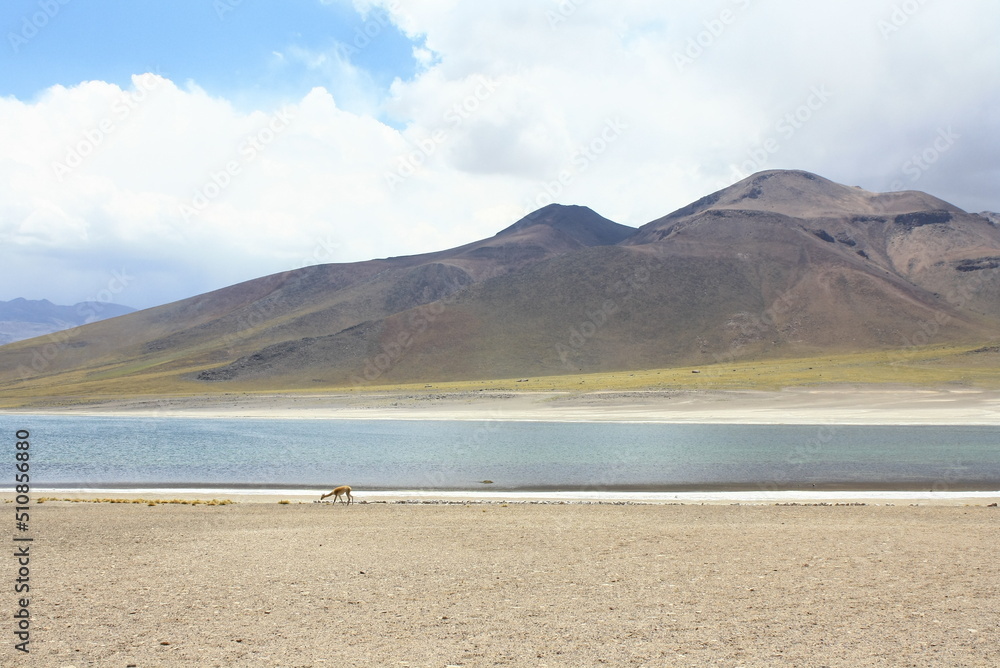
<point>782,263</point>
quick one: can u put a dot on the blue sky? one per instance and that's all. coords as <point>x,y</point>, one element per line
<point>187,145</point>
<point>239,49</point>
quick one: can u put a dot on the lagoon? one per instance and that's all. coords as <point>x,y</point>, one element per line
<point>94,452</point>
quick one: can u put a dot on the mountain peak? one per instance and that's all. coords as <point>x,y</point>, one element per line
<point>795,193</point>
<point>800,194</point>
<point>578,222</point>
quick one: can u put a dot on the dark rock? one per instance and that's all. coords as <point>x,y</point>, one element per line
<point>979,264</point>
<point>921,218</point>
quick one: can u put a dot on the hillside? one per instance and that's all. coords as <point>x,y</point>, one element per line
<point>782,264</point>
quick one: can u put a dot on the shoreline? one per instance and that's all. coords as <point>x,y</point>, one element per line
<point>843,405</point>
<point>746,497</point>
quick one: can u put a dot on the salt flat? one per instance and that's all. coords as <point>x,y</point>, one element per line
<point>832,404</point>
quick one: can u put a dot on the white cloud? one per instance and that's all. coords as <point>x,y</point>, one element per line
<point>516,104</point>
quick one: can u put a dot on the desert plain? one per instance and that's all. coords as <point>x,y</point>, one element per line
<point>518,584</point>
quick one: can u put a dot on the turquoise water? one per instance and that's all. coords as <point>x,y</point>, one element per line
<point>77,452</point>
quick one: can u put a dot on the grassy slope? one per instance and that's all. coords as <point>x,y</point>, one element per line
<point>926,367</point>
<point>932,366</point>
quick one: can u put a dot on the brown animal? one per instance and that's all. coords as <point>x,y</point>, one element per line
<point>343,490</point>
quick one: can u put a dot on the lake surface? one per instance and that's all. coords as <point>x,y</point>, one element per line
<point>95,452</point>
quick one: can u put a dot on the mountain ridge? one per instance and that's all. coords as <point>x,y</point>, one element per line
<point>22,318</point>
<point>780,264</point>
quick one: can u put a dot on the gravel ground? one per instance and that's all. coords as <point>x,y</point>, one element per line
<point>519,585</point>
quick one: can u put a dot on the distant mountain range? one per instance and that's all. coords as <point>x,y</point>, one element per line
<point>783,263</point>
<point>27,318</point>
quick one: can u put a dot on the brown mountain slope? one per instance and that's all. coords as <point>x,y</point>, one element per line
<point>780,264</point>
<point>783,263</point>
<point>220,326</point>
<point>651,306</point>
<point>910,234</point>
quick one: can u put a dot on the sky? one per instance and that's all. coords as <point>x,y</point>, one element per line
<point>153,150</point>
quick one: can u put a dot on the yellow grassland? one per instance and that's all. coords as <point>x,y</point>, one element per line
<point>932,366</point>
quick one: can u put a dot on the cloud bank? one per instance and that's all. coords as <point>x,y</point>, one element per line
<point>633,109</point>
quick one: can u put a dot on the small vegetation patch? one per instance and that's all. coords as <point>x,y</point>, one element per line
<point>148,502</point>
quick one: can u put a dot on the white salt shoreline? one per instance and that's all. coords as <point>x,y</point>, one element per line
<point>800,406</point>
<point>791,420</point>
<point>265,495</point>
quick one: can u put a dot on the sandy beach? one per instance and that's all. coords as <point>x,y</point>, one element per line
<point>385,584</point>
<point>806,405</point>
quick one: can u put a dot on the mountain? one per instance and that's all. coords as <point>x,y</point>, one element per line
<point>908,239</point>
<point>781,264</point>
<point>293,307</point>
<point>27,318</point>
